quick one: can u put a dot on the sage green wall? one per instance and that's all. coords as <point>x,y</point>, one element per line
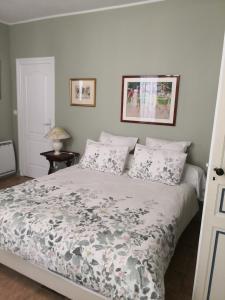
<point>172,37</point>
<point>5,101</point>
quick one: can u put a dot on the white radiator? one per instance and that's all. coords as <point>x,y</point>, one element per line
<point>7,158</point>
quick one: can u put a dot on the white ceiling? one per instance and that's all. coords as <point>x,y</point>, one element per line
<point>19,11</point>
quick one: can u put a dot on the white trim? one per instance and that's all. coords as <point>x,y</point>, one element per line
<point>4,23</point>
<point>47,278</point>
<point>85,12</point>
<point>212,221</point>
<point>20,115</point>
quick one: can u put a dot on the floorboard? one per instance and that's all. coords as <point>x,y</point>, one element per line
<point>178,280</point>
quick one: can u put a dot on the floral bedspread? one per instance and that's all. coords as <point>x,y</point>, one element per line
<point>112,234</point>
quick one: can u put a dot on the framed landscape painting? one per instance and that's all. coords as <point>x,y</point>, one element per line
<point>150,99</point>
<point>83,92</point>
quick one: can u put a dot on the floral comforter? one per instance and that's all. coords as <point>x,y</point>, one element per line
<point>112,234</point>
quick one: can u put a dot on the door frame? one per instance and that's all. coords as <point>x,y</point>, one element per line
<point>212,211</point>
<point>20,109</point>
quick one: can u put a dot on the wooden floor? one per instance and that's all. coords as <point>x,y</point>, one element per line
<point>178,280</point>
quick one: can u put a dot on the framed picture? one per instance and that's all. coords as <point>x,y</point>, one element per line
<point>83,91</point>
<point>150,99</point>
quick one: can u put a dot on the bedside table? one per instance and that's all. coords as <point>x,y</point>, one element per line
<point>68,157</point>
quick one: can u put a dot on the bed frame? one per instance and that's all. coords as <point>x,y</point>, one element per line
<point>49,279</point>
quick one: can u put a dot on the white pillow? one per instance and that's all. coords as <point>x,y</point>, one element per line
<point>117,140</point>
<point>104,158</point>
<point>153,143</point>
<point>157,165</point>
<point>196,177</point>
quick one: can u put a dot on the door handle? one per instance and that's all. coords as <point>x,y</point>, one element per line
<point>47,124</point>
<point>219,171</point>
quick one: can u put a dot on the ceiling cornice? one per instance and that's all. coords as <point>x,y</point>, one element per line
<point>83,12</point>
<point>3,22</point>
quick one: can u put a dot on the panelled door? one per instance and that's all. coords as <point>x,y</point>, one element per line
<point>210,270</point>
<point>36,112</point>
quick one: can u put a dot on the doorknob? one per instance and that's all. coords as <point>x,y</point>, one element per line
<point>219,171</point>
<point>47,124</point>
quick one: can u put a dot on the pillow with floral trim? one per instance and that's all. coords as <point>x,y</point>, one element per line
<point>179,146</point>
<point>157,165</point>
<point>104,158</point>
<point>117,140</point>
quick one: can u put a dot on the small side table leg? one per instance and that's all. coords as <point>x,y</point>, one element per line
<point>69,162</point>
<point>51,168</point>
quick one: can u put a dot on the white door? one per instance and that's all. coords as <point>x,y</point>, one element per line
<point>210,270</point>
<point>36,112</point>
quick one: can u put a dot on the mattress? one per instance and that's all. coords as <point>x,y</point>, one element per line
<point>112,234</point>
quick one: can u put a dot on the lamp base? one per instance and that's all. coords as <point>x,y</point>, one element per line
<point>57,146</point>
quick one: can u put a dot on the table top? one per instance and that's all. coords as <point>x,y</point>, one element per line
<point>63,156</point>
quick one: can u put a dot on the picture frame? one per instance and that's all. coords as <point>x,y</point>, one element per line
<point>150,99</point>
<point>83,92</point>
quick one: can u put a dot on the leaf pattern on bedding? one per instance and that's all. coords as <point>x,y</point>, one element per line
<point>92,238</point>
<point>164,166</point>
<point>104,157</point>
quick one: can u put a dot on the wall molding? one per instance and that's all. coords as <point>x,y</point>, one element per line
<point>82,12</point>
<point>218,233</point>
<point>3,22</point>
<point>222,201</point>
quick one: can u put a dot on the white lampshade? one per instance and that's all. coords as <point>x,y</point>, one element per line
<point>56,134</point>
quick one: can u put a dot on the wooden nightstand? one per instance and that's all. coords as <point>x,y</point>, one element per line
<point>68,157</point>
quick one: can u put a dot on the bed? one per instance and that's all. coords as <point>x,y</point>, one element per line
<point>94,235</point>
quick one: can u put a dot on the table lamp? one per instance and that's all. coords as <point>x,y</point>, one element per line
<point>57,134</point>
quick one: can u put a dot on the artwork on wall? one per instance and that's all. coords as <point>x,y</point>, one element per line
<point>83,92</point>
<point>150,99</point>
